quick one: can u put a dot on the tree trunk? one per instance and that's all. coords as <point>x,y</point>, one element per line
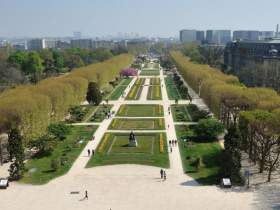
<point>269,174</point>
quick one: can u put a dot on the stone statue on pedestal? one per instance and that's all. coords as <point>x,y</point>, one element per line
<point>132,140</point>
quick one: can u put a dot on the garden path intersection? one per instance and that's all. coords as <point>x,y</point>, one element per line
<point>127,186</point>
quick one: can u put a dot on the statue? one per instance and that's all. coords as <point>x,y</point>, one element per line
<point>132,140</point>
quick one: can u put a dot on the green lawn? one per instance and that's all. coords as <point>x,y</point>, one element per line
<point>136,91</point>
<point>144,145</point>
<point>117,93</point>
<point>136,124</point>
<point>100,113</point>
<point>149,73</point>
<point>44,173</point>
<point>89,110</point>
<point>168,81</point>
<point>172,92</point>
<point>133,110</point>
<point>209,151</point>
<point>126,81</point>
<point>176,109</point>
<point>135,155</point>
<point>152,93</point>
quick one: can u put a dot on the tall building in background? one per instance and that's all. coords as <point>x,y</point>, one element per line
<point>137,35</point>
<point>187,35</point>
<point>132,35</point>
<point>78,34</point>
<point>220,36</point>
<point>253,35</point>
<point>82,43</point>
<point>266,34</point>
<point>240,35</point>
<point>200,35</point>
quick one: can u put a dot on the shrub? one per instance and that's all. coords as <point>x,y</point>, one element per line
<point>200,114</point>
<point>60,130</point>
<point>54,165</point>
<point>208,129</point>
<point>192,161</point>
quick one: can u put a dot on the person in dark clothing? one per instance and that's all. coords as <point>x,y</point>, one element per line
<point>92,152</point>
<point>170,143</point>
<point>161,173</point>
<point>88,152</point>
<point>86,197</point>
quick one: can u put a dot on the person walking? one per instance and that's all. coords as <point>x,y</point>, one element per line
<point>88,151</point>
<point>86,197</point>
<point>161,173</point>
<point>92,152</point>
<point>164,175</point>
<point>170,143</point>
<point>169,113</point>
<point>170,149</point>
<point>175,142</point>
<point>168,125</point>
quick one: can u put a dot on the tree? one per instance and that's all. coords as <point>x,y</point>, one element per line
<point>60,130</point>
<point>16,151</point>
<point>74,61</point>
<point>34,64</point>
<point>126,72</point>
<point>231,156</point>
<point>34,79</point>
<point>44,144</point>
<point>58,59</point>
<point>20,58</point>
<point>93,94</point>
<point>208,129</point>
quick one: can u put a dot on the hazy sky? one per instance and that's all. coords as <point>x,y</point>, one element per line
<point>37,18</point>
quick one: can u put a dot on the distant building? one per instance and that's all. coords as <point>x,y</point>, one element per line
<point>263,56</point>
<point>61,44</point>
<point>36,44</point>
<point>240,35</point>
<point>253,35</point>
<point>103,43</point>
<point>266,34</point>
<point>200,35</point>
<point>120,35</point>
<point>82,43</point>
<point>50,43</point>
<point>220,36</point>
<point>19,47</point>
<point>137,35</point>
<point>78,34</point>
<point>187,35</point>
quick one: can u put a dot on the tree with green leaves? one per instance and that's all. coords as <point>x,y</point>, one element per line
<point>34,64</point>
<point>231,155</point>
<point>208,129</point>
<point>44,143</point>
<point>20,58</point>
<point>16,151</point>
<point>60,130</point>
<point>93,94</point>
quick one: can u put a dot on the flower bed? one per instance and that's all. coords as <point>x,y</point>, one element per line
<point>120,111</point>
<point>160,122</point>
<point>157,91</point>
<point>161,143</point>
<point>159,109</point>
<point>137,81</point>
<point>103,143</point>
<point>114,123</point>
<point>132,92</point>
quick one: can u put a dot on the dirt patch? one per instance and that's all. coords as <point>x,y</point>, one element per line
<point>154,111</point>
<point>151,81</point>
<point>153,142</point>
<point>183,128</point>
<point>149,92</point>
<point>143,81</point>
<point>128,159</point>
<point>121,124</point>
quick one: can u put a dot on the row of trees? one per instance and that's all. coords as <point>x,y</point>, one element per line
<point>34,107</point>
<point>46,63</point>
<point>256,109</point>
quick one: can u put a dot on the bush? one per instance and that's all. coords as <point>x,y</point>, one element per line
<point>192,161</point>
<point>208,129</point>
<point>60,130</point>
<point>200,114</point>
<point>54,165</point>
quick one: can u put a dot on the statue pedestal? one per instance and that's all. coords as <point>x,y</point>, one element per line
<point>132,143</point>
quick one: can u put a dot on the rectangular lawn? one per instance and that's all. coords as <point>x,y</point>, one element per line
<point>149,73</point>
<point>136,124</point>
<point>131,110</point>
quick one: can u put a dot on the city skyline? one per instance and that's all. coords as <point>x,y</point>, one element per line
<point>95,19</point>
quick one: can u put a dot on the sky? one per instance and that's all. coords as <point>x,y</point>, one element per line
<point>163,18</point>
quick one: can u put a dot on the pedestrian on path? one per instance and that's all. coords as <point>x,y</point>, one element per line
<point>170,149</point>
<point>164,175</point>
<point>170,143</point>
<point>169,113</point>
<point>175,142</point>
<point>92,152</point>
<point>161,173</point>
<point>168,125</point>
<point>86,197</point>
<point>88,151</point>
<point>161,85</point>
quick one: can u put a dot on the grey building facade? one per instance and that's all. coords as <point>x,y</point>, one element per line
<point>220,36</point>
<point>187,35</point>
